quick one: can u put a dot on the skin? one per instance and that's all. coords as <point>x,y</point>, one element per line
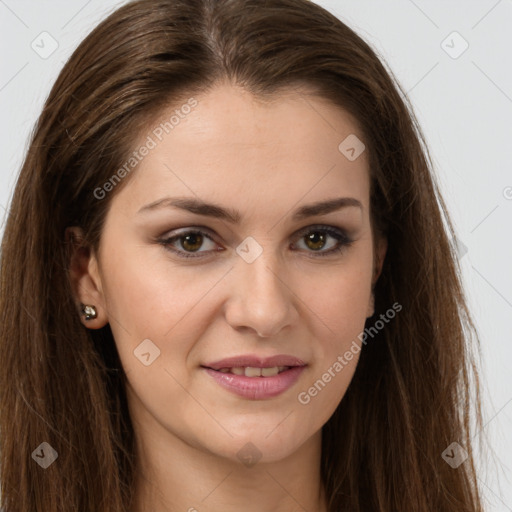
<point>263,160</point>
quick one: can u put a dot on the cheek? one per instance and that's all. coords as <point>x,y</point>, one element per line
<point>149,293</point>
<point>339,303</point>
<point>338,299</point>
<point>159,302</point>
<point>342,311</point>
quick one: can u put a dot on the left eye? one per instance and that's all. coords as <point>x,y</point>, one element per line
<point>315,239</point>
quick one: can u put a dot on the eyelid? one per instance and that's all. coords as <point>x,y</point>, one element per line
<point>174,233</point>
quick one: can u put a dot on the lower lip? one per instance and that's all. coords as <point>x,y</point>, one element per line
<point>257,388</point>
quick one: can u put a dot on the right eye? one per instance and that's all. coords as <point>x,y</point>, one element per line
<point>190,241</point>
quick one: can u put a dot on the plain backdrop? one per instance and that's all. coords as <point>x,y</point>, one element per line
<point>453,61</point>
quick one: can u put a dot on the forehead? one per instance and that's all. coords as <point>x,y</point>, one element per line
<point>236,147</point>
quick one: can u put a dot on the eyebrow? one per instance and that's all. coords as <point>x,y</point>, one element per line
<point>200,207</point>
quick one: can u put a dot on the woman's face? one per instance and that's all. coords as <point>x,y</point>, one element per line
<point>256,276</point>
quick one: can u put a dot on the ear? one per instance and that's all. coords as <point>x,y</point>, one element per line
<point>84,278</point>
<point>381,248</point>
<point>378,258</point>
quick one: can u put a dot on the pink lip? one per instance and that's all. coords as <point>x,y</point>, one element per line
<point>257,388</point>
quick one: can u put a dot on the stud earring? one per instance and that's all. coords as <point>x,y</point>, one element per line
<point>89,311</point>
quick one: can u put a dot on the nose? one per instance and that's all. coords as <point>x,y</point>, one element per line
<point>262,299</point>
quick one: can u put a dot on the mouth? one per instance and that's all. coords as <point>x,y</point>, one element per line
<point>256,378</point>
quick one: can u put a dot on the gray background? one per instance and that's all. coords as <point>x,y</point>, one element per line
<point>463,102</point>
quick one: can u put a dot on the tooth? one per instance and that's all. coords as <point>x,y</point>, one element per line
<point>252,372</point>
<point>281,368</point>
<point>237,371</point>
<point>224,370</point>
<point>269,372</point>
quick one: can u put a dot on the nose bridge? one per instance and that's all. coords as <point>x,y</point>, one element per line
<point>262,299</point>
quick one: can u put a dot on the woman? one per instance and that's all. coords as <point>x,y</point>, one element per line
<point>226,281</point>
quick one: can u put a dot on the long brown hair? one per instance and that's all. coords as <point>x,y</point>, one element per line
<point>62,384</point>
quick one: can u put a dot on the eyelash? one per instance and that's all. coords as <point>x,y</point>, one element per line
<point>343,241</point>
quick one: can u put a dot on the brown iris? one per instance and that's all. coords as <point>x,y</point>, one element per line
<point>192,241</point>
<point>316,239</point>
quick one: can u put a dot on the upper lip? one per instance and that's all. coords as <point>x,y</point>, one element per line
<point>256,362</point>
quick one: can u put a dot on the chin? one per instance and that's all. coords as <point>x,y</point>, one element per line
<point>261,445</point>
